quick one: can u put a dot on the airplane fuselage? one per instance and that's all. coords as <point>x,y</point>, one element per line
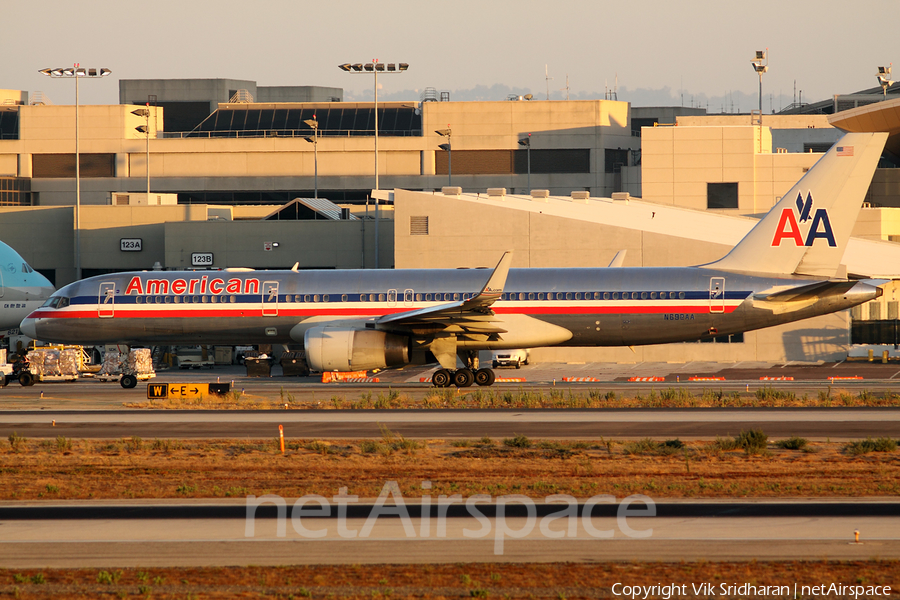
<point>575,307</point>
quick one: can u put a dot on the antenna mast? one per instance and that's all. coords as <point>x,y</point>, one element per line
<point>547,78</point>
<point>566,89</point>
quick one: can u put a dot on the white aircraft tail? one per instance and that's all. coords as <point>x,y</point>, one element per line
<point>806,232</point>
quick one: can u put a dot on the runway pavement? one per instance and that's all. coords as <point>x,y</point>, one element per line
<point>205,534</point>
<point>698,423</point>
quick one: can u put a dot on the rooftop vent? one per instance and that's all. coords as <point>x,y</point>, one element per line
<point>581,195</point>
<point>496,192</point>
<point>621,196</point>
<point>451,190</point>
<point>540,193</point>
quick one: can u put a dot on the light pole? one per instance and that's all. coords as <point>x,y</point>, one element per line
<point>527,143</point>
<point>884,79</point>
<point>315,142</point>
<point>448,148</point>
<point>374,68</point>
<point>76,72</point>
<point>760,65</point>
<point>145,112</point>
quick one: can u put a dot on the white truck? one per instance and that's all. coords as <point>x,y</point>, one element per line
<point>509,358</point>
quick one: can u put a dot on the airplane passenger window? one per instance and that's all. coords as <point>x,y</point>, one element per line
<point>653,295</point>
<point>596,295</point>
<point>196,299</point>
<point>168,299</point>
<point>531,295</point>
<point>428,297</point>
<point>212,299</point>
<point>615,295</point>
<point>233,299</point>
<point>635,295</point>
<point>540,295</point>
<point>343,297</point>
<point>326,298</point>
<point>456,296</point>
<point>315,297</point>
<point>578,295</point>
<point>644,295</point>
<point>204,299</point>
<point>381,297</point>
<point>137,300</point>
<point>418,297</point>
<point>606,295</point>
<point>569,296</point>
<point>681,295</point>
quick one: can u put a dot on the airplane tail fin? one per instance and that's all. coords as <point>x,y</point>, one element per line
<point>807,231</point>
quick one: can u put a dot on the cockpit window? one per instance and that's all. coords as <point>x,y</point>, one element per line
<point>56,302</point>
<point>26,268</point>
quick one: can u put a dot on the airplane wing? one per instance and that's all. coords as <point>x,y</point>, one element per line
<point>472,315</point>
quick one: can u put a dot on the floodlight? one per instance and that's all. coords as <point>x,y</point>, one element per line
<point>403,66</point>
<point>310,140</point>
<point>92,72</point>
<point>525,141</point>
<point>369,67</point>
<point>443,132</point>
<point>312,123</point>
<point>142,129</point>
<point>344,67</point>
<point>884,70</point>
<point>760,55</point>
<point>357,67</point>
<point>528,96</point>
<point>391,67</point>
<point>80,72</point>
<point>47,72</point>
<point>68,72</point>
<point>104,72</point>
<point>141,112</point>
<point>56,72</point>
<point>444,147</point>
<point>379,66</point>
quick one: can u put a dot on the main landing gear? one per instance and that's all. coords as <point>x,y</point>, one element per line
<point>462,377</point>
<point>466,376</point>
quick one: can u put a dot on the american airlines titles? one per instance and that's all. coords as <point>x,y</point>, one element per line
<point>202,285</point>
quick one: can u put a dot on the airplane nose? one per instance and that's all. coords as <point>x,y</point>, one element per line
<point>29,327</point>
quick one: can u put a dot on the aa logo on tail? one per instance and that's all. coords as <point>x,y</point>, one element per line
<point>789,225</point>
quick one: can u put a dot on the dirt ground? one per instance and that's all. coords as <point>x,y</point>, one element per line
<point>554,580</point>
<point>135,468</point>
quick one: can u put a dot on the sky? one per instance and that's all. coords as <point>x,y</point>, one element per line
<point>657,52</point>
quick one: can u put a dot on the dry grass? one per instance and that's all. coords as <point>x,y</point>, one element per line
<point>554,580</point>
<point>527,397</point>
<point>135,468</point>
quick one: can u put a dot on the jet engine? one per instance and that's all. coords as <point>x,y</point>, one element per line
<point>350,349</point>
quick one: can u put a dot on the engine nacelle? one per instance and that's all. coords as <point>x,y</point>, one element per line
<point>349,349</point>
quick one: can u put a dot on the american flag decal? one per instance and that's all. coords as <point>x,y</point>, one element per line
<point>845,150</point>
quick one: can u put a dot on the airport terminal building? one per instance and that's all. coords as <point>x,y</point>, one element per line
<point>229,160</point>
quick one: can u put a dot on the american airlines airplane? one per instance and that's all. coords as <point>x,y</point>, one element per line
<point>22,289</point>
<point>785,269</point>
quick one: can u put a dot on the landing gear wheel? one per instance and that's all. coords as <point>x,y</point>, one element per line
<point>128,381</point>
<point>441,378</point>
<point>485,377</point>
<point>26,379</point>
<point>463,378</point>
